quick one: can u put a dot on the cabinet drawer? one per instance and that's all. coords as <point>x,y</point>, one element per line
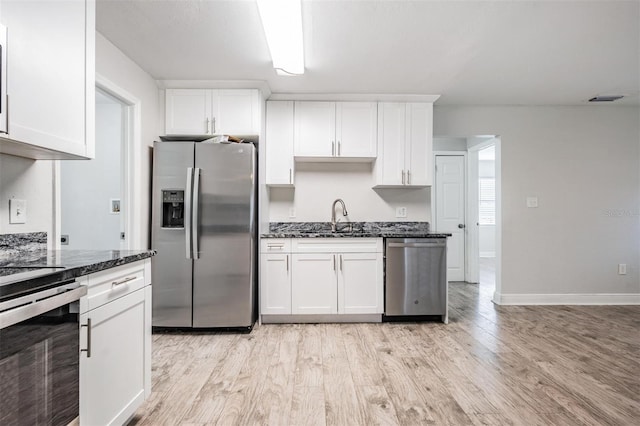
<point>111,284</point>
<point>275,245</point>
<point>333,245</point>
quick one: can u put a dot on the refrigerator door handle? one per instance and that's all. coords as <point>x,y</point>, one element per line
<point>187,213</point>
<point>196,206</point>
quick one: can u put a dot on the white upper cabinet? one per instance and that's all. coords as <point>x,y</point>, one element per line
<point>279,144</point>
<point>330,131</point>
<point>212,112</point>
<point>50,79</point>
<point>405,140</point>
<point>356,126</point>
<point>315,129</point>
<point>188,112</point>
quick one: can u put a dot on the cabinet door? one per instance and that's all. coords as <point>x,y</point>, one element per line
<point>112,378</point>
<point>390,169</point>
<point>315,129</point>
<point>279,143</point>
<point>275,284</point>
<point>360,283</point>
<point>188,112</point>
<point>356,129</point>
<point>51,74</point>
<point>313,284</point>
<point>419,152</point>
<point>235,112</point>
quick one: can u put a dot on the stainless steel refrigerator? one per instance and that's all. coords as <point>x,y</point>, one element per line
<point>204,229</point>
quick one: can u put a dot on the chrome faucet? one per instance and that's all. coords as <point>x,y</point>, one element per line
<point>333,213</point>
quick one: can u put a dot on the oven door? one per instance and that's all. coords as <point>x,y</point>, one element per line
<point>4,116</point>
<point>39,357</point>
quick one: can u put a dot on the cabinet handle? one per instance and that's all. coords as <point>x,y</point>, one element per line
<point>214,124</point>
<point>334,262</point>
<point>122,281</point>
<point>403,177</point>
<point>333,149</point>
<point>275,247</point>
<point>88,325</point>
<point>339,144</point>
<point>408,177</point>
<point>290,181</point>
<point>207,125</point>
<point>340,262</point>
<point>287,263</point>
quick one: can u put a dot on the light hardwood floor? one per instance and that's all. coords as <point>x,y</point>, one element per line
<point>491,365</point>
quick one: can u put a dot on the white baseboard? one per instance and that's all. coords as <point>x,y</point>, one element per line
<point>567,299</point>
<point>487,254</point>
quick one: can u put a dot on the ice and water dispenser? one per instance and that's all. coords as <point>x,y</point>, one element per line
<point>172,208</point>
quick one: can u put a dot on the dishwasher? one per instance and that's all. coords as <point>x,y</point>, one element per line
<point>415,278</point>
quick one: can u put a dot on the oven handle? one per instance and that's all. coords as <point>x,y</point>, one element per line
<point>38,307</point>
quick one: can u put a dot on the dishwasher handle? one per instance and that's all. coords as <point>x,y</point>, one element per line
<point>416,245</point>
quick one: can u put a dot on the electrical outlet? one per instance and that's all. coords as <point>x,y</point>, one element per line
<point>532,202</point>
<point>292,212</point>
<point>622,269</point>
<point>401,212</point>
<point>17,211</point>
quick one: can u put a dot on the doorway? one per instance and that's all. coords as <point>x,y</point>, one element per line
<point>473,218</point>
<point>93,200</point>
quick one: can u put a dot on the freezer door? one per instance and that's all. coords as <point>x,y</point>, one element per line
<point>172,266</point>
<point>224,265</point>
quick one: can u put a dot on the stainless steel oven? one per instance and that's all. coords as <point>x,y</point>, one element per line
<point>39,355</point>
<point>4,116</point>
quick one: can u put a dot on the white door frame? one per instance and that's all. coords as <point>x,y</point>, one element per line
<point>131,176</point>
<point>131,153</point>
<point>466,197</point>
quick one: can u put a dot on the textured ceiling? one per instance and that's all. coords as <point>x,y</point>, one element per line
<point>475,52</point>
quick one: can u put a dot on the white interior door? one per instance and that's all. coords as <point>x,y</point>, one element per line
<point>450,210</point>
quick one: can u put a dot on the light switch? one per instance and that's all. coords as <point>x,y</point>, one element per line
<point>17,211</point>
<point>532,202</point>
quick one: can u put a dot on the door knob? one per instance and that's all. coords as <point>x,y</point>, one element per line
<point>461,225</point>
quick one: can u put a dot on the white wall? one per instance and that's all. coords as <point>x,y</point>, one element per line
<point>88,186</point>
<point>30,180</point>
<point>449,144</point>
<point>317,185</point>
<point>583,164</point>
<point>113,65</point>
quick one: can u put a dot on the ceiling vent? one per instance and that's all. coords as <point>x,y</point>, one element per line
<point>606,98</point>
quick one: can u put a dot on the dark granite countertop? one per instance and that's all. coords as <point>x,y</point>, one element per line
<point>22,272</point>
<point>351,230</point>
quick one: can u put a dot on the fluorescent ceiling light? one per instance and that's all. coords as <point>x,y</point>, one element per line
<point>282,23</point>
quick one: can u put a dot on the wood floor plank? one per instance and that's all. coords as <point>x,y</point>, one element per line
<point>379,409</point>
<point>212,397</point>
<point>308,406</point>
<point>309,362</point>
<point>341,401</point>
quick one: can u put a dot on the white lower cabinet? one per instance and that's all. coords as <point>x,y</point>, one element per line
<point>115,343</point>
<point>322,276</point>
<point>313,287</point>
<point>360,283</point>
<point>275,297</point>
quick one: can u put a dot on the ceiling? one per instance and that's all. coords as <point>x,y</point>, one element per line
<point>542,52</point>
